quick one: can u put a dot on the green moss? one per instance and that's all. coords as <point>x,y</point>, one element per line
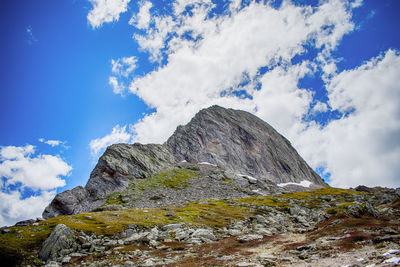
<point>321,192</point>
<point>21,244</point>
<point>265,201</point>
<point>214,213</point>
<point>24,242</point>
<point>314,199</point>
<point>114,199</point>
<point>170,178</point>
<point>153,160</point>
<point>227,180</point>
<point>339,210</point>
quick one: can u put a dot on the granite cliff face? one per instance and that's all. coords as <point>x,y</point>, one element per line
<point>220,153</point>
<point>242,143</point>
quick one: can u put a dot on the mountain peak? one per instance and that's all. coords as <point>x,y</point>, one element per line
<point>241,142</point>
<point>220,153</point>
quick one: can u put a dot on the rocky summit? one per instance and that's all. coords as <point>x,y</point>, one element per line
<point>224,190</point>
<point>220,153</point>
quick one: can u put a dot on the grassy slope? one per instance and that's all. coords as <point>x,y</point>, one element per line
<point>24,242</point>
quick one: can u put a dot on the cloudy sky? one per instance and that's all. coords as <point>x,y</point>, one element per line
<point>79,75</point>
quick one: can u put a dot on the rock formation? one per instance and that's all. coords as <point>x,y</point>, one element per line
<point>242,143</point>
<point>219,153</point>
<point>323,227</point>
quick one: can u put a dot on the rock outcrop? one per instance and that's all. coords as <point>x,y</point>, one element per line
<point>240,142</point>
<point>60,239</point>
<point>219,153</point>
<point>324,227</point>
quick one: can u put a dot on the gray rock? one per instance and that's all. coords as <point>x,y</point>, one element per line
<point>66,202</point>
<point>52,264</point>
<point>148,262</point>
<point>118,165</point>
<point>242,143</point>
<point>153,235</point>
<point>172,226</point>
<point>110,244</point>
<point>61,238</point>
<point>260,219</point>
<point>66,260</point>
<point>234,232</point>
<point>182,234</point>
<point>249,238</point>
<point>244,264</point>
<point>205,235</point>
<point>136,237</point>
<point>25,222</point>
<point>129,264</point>
<point>238,146</point>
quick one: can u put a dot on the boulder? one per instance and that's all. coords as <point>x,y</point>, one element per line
<point>249,238</point>
<point>60,239</point>
<point>204,235</point>
<point>25,222</point>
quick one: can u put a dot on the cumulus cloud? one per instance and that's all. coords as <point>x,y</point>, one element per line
<point>118,135</point>
<point>22,169</point>
<point>319,107</point>
<point>143,18</point>
<point>242,58</point>
<point>364,146</point>
<point>199,73</point>
<point>36,172</point>
<point>122,68</point>
<point>106,11</point>
<point>14,208</point>
<point>52,143</point>
<point>118,87</point>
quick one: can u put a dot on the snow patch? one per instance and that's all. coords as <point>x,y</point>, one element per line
<point>303,183</point>
<point>251,178</point>
<point>392,260</point>
<point>392,251</point>
<point>207,163</point>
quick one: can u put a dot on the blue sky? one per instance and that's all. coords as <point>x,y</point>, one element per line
<point>87,74</point>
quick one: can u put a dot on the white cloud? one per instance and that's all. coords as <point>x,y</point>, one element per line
<point>363,147</point>
<point>357,3</point>
<point>52,143</point>
<point>320,107</point>
<point>14,208</point>
<point>106,11</point>
<point>21,169</point>
<point>31,38</point>
<point>118,88</point>
<point>123,66</point>
<point>231,49</point>
<point>224,55</point>
<point>143,18</point>
<point>14,152</point>
<point>118,135</point>
<point>37,172</point>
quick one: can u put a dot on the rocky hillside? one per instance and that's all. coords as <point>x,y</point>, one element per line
<point>324,227</point>
<point>220,153</point>
<point>224,190</point>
